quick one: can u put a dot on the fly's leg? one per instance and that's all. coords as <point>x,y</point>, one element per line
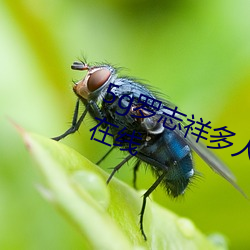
<point>105,156</point>
<point>136,167</point>
<point>118,167</point>
<point>95,110</point>
<point>145,196</point>
<point>75,124</point>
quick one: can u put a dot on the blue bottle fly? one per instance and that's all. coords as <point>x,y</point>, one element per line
<point>130,105</point>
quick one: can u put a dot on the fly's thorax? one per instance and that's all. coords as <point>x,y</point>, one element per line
<point>152,125</point>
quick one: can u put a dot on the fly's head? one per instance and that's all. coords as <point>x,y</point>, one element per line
<point>96,79</point>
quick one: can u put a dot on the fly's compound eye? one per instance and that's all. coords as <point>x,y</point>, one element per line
<point>97,79</point>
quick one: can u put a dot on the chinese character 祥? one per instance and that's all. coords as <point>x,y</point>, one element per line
<point>203,126</point>
<point>202,129</point>
<point>246,147</point>
<point>222,138</point>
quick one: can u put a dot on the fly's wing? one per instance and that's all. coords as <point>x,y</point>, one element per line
<point>217,165</point>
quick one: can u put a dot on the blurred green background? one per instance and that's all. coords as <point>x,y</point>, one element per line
<point>195,52</point>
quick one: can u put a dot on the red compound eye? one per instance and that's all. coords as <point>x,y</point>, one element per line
<point>97,79</point>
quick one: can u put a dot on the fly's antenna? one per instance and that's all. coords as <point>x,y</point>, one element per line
<point>80,66</point>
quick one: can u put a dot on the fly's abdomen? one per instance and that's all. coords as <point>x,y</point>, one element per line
<point>178,176</point>
<point>172,156</point>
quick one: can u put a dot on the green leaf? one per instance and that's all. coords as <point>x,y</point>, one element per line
<point>107,215</point>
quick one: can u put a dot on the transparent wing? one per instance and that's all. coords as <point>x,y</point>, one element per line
<point>214,162</point>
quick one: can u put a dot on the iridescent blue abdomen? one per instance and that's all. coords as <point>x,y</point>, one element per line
<point>168,153</point>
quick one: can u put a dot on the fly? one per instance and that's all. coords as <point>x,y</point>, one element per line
<point>119,100</point>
